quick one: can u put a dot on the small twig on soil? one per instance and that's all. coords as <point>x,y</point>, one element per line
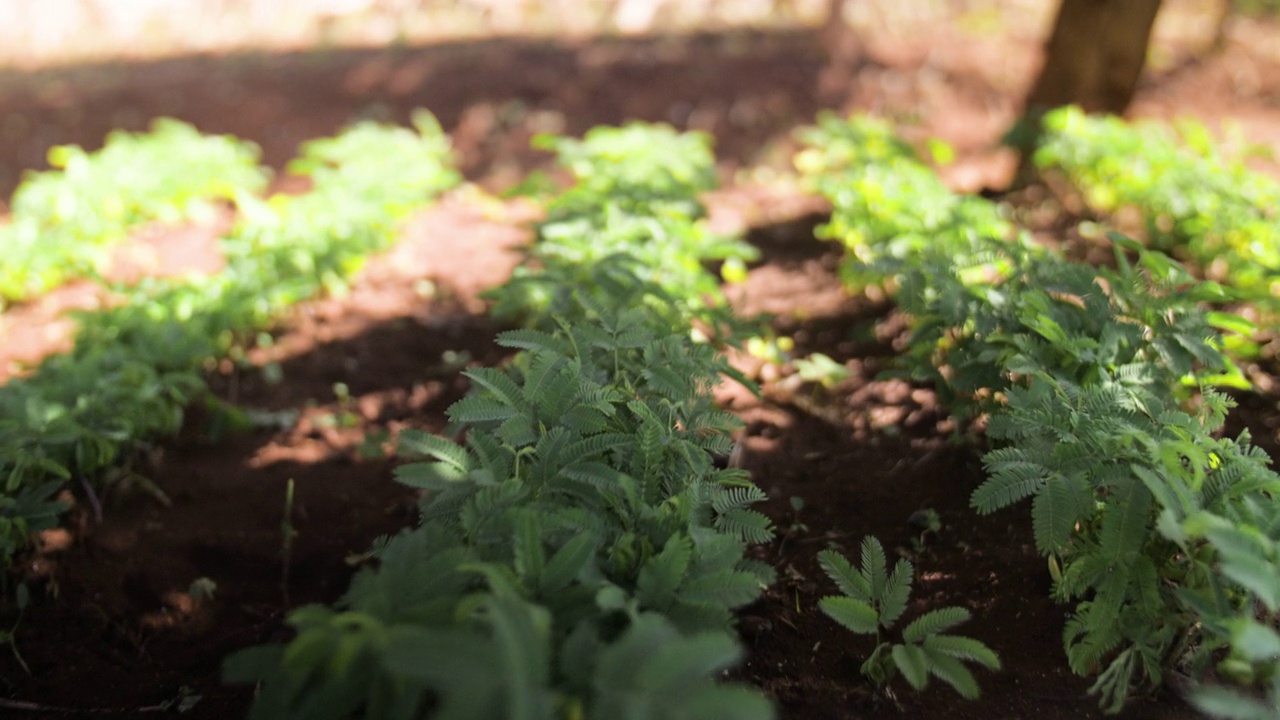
<point>93,498</point>
<point>286,550</point>
<point>41,708</point>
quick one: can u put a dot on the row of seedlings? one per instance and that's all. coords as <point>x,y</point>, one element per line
<point>579,554</point>
<point>86,418</point>
<point>1097,389</point>
<point>63,222</point>
<point>1196,202</point>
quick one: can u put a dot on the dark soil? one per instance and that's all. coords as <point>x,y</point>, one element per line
<point>117,627</point>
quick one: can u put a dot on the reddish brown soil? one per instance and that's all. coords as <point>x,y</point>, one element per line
<point>115,629</point>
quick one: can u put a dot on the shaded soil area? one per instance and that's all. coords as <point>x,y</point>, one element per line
<point>123,622</point>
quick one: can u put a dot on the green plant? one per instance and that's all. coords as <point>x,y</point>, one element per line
<point>821,369</point>
<point>578,554</point>
<point>1196,202</point>
<point>582,522</point>
<point>889,207</point>
<point>928,523</point>
<point>1096,383</point>
<point>88,416</point>
<point>633,205</point>
<point>873,599</point>
<point>1227,528</point>
<point>1090,457</point>
<point>63,219</point>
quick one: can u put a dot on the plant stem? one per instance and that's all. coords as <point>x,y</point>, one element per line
<point>286,550</point>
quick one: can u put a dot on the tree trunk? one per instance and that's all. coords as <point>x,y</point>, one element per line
<point>1226,9</point>
<point>1095,55</point>
<point>1093,58</point>
<point>843,51</point>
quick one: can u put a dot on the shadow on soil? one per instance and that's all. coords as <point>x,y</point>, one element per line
<point>122,605</point>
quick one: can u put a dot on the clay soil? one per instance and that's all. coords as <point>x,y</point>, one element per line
<point>117,629</point>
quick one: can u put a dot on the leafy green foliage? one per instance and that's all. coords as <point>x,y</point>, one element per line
<point>584,495</point>
<point>889,207</point>
<point>1094,382</point>
<point>1196,203</point>
<point>873,599</point>
<point>579,554</point>
<point>1229,533</point>
<point>1106,466</point>
<point>65,218</point>
<point>87,416</point>
<point>633,209</point>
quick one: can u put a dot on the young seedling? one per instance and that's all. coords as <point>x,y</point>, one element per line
<point>22,597</point>
<point>795,527</point>
<point>928,523</point>
<point>874,599</point>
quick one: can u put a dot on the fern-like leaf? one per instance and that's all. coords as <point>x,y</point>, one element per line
<point>954,673</point>
<point>521,634</point>
<point>667,382</point>
<point>962,648</point>
<point>433,476</point>
<point>732,498</point>
<point>747,525</point>
<point>663,574</point>
<point>475,409</point>
<point>897,588</point>
<point>497,461</point>
<point>619,488</point>
<point>501,385</point>
<point>934,622</point>
<point>531,339</point>
<point>729,588</point>
<point>563,566</point>
<point>517,431</point>
<point>913,663</point>
<point>850,581</point>
<point>1055,512</point>
<point>595,445</point>
<point>1011,480</point>
<point>1126,523</point>
<point>530,558</point>
<point>854,614</point>
<point>541,376</point>
<point>432,446</point>
<point>1087,642</point>
<point>874,566</point>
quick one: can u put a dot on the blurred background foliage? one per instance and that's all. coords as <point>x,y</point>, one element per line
<point>68,31</point>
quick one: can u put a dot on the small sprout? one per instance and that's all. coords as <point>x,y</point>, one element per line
<point>342,393</point>
<point>873,599</point>
<point>373,446</point>
<point>425,289</point>
<point>925,520</point>
<point>455,359</point>
<point>775,350</point>
<point>202,589</point>
<point>734,271</point>
<point>821,369</point>
<point>272,373</point>
<point>927,523</point>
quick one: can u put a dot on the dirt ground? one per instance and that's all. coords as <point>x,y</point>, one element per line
<point>119,629</point>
